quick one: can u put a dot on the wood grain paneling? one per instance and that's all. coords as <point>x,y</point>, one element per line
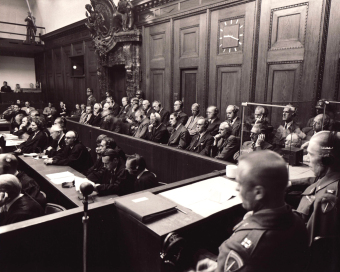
<point>157,43</point>
<point>157,85</point>
<point>189,88</point>
<point>189,40</point>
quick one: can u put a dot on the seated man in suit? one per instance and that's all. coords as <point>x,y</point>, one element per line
<point>147,108</point>
<point>270,237</point>
<point>73,154</point>
<point>214,121</point>
<point>108,121</point>
<point>15,206</point>
<point>157,106</point>
<point>113,105</point>
<point>87,117</point>
<point>157,131</point>
<point>27,108</point>
<point>82,108</point>
<point>289,113</point>
<point>97,110</point>
<point>225,144</point>
<point>58,141</point>
<point>202,142</point>
<point>62,111</point>
<point>9,165</point>
<point>233,119</point>
<point>125,109</point>
<point>144,179</point>
<point>114,179</point>
<point>143,122</point>
<point>191,124</point>
<point>180,137</point>
<point>99,150</point>
<point>178,108</point>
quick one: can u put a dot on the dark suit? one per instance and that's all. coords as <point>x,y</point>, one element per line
<point>236,127</point>
<point>96,120</point>
<point>179,137</point>
<point>149,111</point>
<point>118,182</point>
<point>165,115</point>
<point>183,118</point>
<point>142,128</point>
<point>158,134</point>
<point>35,143</point>
<point>147,180</point>
<point>109,122</point>
<point>123,112</point>
<point>226,148</point>
<point>56,144</point>
<point>22,209</point>
<point>77,157</point>
<point>201,145</point>
<point>214,127</point>
<point>115,109</point>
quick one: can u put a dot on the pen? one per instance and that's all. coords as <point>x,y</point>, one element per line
<point>181,210</point>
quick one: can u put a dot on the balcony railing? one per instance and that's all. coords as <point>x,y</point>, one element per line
<point>20,30</point>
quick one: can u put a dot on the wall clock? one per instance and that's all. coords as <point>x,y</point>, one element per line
<point>231,35</point>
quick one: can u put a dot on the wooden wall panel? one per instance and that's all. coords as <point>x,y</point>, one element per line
<point>290,36</point>
<point>189,61</point>
<point>230,64</point>
<point>157,64</point>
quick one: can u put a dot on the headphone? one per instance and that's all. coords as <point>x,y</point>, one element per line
<point>235,108</point>
<point>172,248</point>
<point>176,115</point>
<point>292,109</point>
<point>328,158</point>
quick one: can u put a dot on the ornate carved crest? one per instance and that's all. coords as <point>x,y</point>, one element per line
<point>105,19</point>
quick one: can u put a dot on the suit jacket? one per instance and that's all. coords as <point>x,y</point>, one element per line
<point>142,129</point>
<point>115,109</point>
<point>236,127</point>
<point>165,115</point>
<point>226,148</point>
<point>158,134</point>
<point>56,147</point>
<point>191,124</point>
<point>118,182</point>
<point>22,209</point>
<point>201,145</point>
<point>77,157</point>
<point>86,118</point>
<point>109,122</point>
<point>27,110</point>
<point>149,111</point>
<point>123,112</point>
<point>179,137</point>
<point>282,133</point>
<point>34,143</point>
<point>214,127</point>
<point>91,100</point>
<point>146,181</point>
<point>183,118</point>
<point>96,120</point>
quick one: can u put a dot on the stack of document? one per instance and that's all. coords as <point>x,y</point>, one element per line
<point>59,178</point>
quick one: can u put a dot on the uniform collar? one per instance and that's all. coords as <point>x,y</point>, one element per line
<point>326,180</point>
<point>145,170</point>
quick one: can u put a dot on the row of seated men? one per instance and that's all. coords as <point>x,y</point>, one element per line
<point>271,236</point>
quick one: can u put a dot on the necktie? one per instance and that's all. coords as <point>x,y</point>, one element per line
<point>85,118</point>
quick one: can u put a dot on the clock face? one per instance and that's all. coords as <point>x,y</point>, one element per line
<point>231,37</point>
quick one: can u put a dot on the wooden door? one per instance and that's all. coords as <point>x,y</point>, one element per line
<point>189,61</point>
<point>156,63</point>
<point>288,54</point>
<point>117,83</point>
<point>231,49</point>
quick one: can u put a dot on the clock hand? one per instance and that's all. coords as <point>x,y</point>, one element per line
<point>229,36</point>
<point>234,38</point>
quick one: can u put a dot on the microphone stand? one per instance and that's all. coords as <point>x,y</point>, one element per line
<point>86,188</point>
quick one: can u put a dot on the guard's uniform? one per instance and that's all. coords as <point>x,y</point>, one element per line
<point>319,206</point>
<point>91,100</point>
<point>269,240</point>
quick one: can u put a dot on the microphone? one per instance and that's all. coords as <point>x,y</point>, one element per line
<point>86,188</point>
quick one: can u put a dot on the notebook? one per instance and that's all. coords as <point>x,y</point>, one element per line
<point>145,206</point>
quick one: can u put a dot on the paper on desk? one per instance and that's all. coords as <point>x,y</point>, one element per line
<point>59,178</point>
<point>206,197</point>
<point>30,154</point>
<point>14,142</point>
<point>78,181</point>
<point>10,137</point>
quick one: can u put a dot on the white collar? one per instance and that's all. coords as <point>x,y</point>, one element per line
<point>288,124</point>
<point>8,205</point>
<point>234,120</point>
<point>62,135</point>
<point>145,170</point>
<point>178,126</point>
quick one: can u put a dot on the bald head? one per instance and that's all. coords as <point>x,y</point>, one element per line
<point>8,164</point>
<point>317,122</point>
<point>262,178</point>
<point>10,185</point>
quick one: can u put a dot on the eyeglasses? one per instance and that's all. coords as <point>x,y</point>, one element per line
<point>69,137</point>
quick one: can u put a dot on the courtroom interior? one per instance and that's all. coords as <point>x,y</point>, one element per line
<point>169,135</point>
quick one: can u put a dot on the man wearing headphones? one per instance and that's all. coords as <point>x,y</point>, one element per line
<point>214,121</point>
<point>226,145</point>
<point>157,131</point>
<point>124,109</point>
<point>157,106</point>
<point>192,121</point>
<point>144,179</point>
<point>15,206</point>
<point>58,142</point>
<point>233,119</point>
<point>178,108</point>
<point>73,154</point>
<point>289,112</point>
<point>202,142</point>
<point>143,122</point>
<point>180,137</point>
<point>319,206</point>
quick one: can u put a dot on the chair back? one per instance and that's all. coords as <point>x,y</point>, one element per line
<point>53,208</point>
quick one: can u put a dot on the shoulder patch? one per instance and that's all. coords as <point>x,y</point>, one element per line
<point>233,262</point>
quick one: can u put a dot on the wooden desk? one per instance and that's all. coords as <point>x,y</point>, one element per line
<point>5,126</point>
<point>67,197</point>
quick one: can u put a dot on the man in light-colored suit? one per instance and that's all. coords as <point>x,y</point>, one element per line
<point>143,124</point>
<point>87,116</point>
<point>192,121</point>
<point>180,137</point>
